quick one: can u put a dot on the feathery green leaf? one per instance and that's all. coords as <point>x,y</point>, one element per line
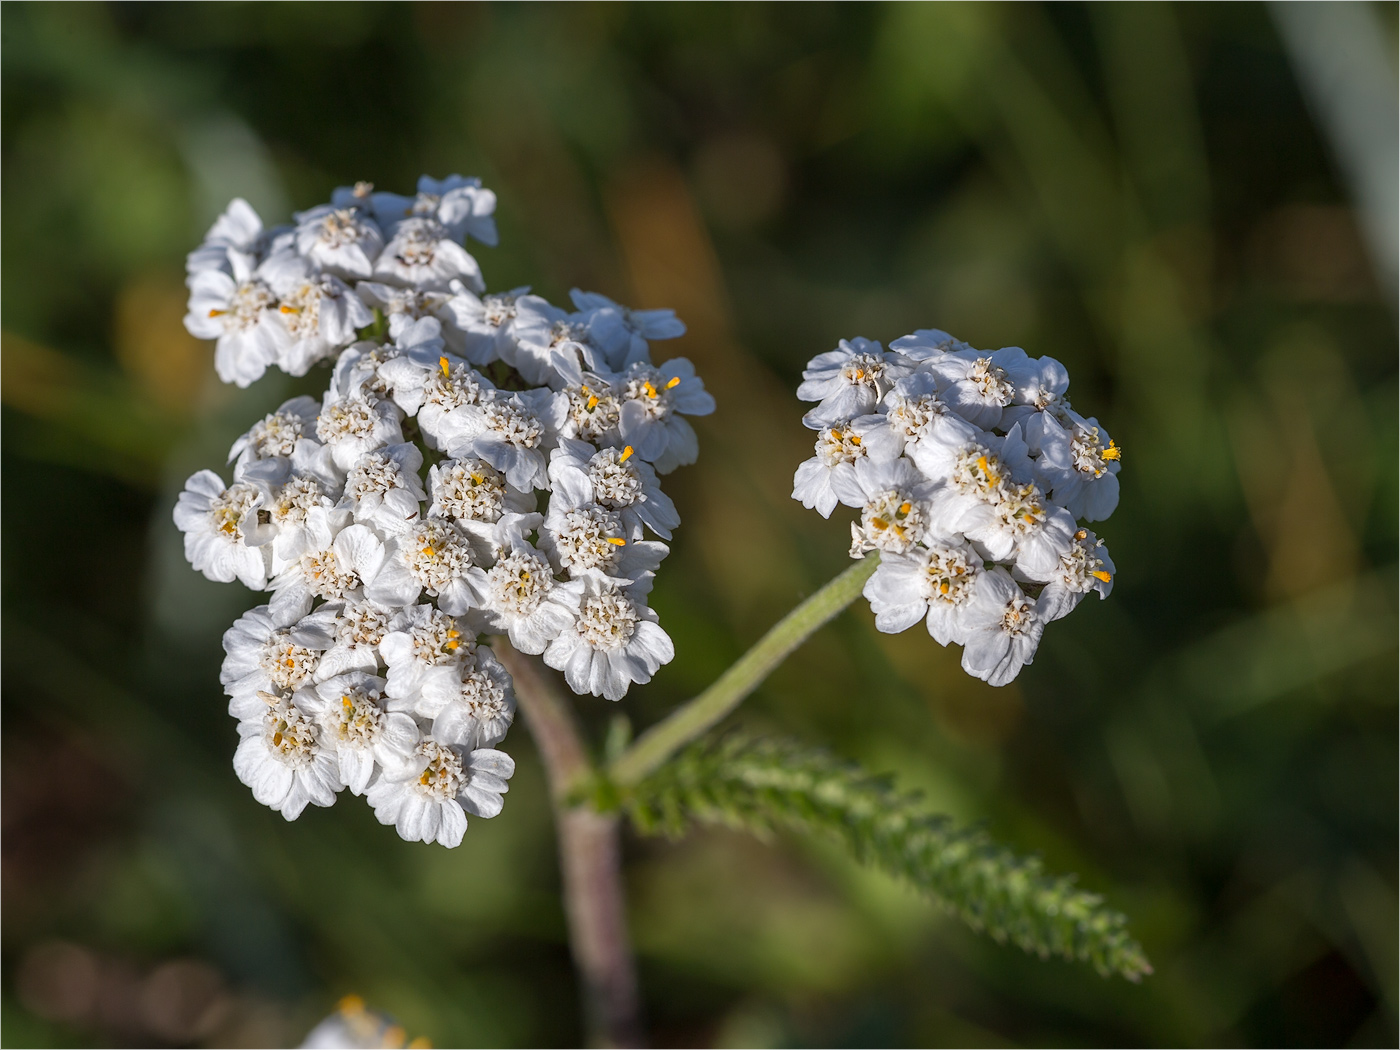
<point>765,785</point>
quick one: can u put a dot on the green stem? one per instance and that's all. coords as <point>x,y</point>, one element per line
<point>686,723</point>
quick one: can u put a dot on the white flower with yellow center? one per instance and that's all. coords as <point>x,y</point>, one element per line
<point>216,522</point>
<point>292,488</point>
<point>615,478</point>
<point>614,641</point>
<point>539,332</point>
<point>1002,629</point>
<point>354,722</point>
<point>352,426</point>
<point>239,310</point>
<point>282,759</point>
<point>341,241</point>
<point>423,645</point>
<point>1079,466</point>
<point>272,652</point>
<point>894,513</point>
<point>849,381</point>
<point>485,322</point>
<point>655,400</point>
<point>512,433</point>
<point>471,489</point>
<point>1082,569</point>
<point>356,371</point>
<point>592,538</point>
<point>935,583</point>
<point>829,477</point>
<point>429,800</point>
<point>526,602</point>
<point>431,556</point>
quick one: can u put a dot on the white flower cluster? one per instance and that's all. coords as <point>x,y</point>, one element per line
<point>396,521</point>
<point>969,469</point>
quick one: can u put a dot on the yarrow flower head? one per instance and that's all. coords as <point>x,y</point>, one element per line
<point>968,470</point>
<point>479,464</point>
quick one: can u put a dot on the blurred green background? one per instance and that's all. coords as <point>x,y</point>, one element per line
<point>1145,192</point>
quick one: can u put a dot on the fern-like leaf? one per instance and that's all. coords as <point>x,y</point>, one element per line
<point>764,785</point>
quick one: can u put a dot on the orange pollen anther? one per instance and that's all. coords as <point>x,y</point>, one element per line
<point>673,382</point>
<point>442,363</point>
<point>284,308</point>
<point>616,541</point>
<point>345,702</point>
<point>217,313</point>
<point>626,452</point>
<point>1113,452</point>
<point>905,508</point>
<point>651,390</point>
<point>880,523</point>
<point>1101,575</point>
<point>592,402</point>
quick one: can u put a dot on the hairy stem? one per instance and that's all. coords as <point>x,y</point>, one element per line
<point>590,861</point>
<point>686,723</point>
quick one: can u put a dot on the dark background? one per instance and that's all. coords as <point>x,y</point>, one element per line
<point>1141,191</point>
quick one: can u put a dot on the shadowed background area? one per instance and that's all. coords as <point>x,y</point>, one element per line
<point>1160,197</point>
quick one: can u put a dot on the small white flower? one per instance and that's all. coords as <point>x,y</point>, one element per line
<point>216,522</point>
<point>291,489</point>
<point>925,424</point>
<point>636,327</point>
<point>1002,629</point>
<point>594,407</point>
<point>277,652</point>
<point>485,322</point>
<point>512,432</point>
<point>359,627</point>
<point>614,642</point>
<point>612,478</point>
<point>471,489</point>
<point>433,556</point>
<point>353,426</point>
<point>355,724</point>
<point>276,435</point>
<point>934,583</point>
<point>458,202</point>
<point>1079,466</point>
<point>429,802</point>
<point>1085,567</point>
<point>978,385</point>
<point>383,487</point>
<point>849,381</point>
<point>526,602</point>
<point>829,477</point>
<point>477,709</point>
<point>319,313</point>
<point>401,307</point>
<point>1041,384</point>
<point>282,759</point>
<point>654,401</point>
<point>423,645</point>
<point>338,560</point>
<point>895,511</point>
<point>422,254</point>
<point>592,538</point>
<point>342,241</point>
<point>538,331</point>
<point>239,309</point>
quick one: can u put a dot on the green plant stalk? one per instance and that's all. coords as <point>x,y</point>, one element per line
<point>687,722</point>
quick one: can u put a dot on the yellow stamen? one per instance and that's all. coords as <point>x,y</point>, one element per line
<point>284,308</point>
<point>592,402</point>
<point>855,439</point>
<point>616,541</point>
<point>1029,517</point>
<point>943,587</point>
<point>905,508</point>
<point>345,702</point>
<point>1082,535</point>
<point>625,453</point>
<point>1113,452</point>
<point>442,363</point>
<point>1099,574</point>
<point>673,382</point>
<point>351,1004</point>
<point>429,551</point>
<point>217,313</point>
<point>880,523</point>
<point>276,739</point>
<point>651,390</point>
